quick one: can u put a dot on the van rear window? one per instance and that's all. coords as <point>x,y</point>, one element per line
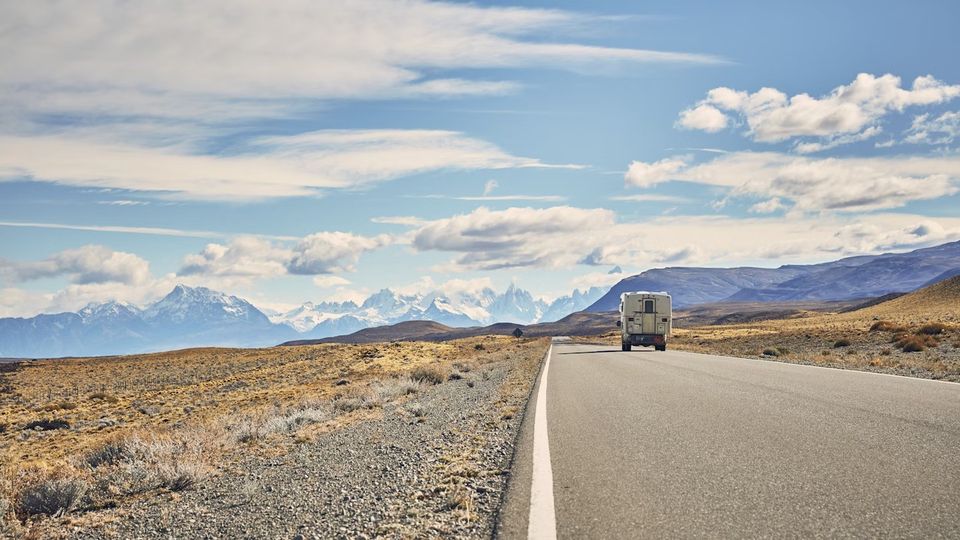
<point>648,306</point>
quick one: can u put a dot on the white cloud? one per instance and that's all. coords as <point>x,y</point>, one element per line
<point>703,117</point>
<point>16,302</point>
<point>839,140</point>
<point>76,296</point>
<point>768,206</point>
<point>239,58</point>
<point>331,252</point>
<point>409,221</point>
<point>454,289</point>
<point>268,167</point>
<point>849,113</point>
<point>642,174</point>
<point>596,279</point>
<point>123,202</point>
<point>562,237</point>
<point>649,197</point>
<point>157,231</point>
<point>812,184</point>
<point>515,237</point>
<point>83,265</point>
<point>329,282</point>
<point>250,258</point>
<point>489,187</point>
<point>943,129</point>
<point>243,257</point>
<point>543,198</point>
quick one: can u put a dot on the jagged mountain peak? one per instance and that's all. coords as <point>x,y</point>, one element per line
<point>201,305</point>
<point>109,309</point>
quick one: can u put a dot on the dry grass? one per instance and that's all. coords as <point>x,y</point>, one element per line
<point>887,326</point>
<point>915,342</point>
<point>167,420</point>
<point>430,374</point>
<point>933,329</point>
<point>157,391</point>
<point>50,496</point>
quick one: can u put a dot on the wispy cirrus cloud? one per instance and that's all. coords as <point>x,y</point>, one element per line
<point>266,167</point>
<point>649,197</point>
<point>152,231</point>
<point>226,60</point>
<point>150,100</point>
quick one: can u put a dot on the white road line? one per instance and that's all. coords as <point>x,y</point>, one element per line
<point>543,521</point>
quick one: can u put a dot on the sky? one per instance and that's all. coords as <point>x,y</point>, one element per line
<point>311,150</point>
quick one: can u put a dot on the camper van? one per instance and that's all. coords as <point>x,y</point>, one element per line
<point>645,319</point>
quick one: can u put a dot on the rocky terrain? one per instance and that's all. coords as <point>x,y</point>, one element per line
<point>375,448</point>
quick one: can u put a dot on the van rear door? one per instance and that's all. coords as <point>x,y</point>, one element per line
<point>648,315</point>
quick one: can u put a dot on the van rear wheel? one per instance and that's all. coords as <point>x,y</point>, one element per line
<point>625,347</point>
<point>661,347</point>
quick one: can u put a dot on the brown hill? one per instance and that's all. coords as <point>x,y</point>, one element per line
<point>575,324</point>
<point>937,302</point>
<point>407,330</point>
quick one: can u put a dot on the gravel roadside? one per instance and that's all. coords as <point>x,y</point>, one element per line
<point>433,465</point>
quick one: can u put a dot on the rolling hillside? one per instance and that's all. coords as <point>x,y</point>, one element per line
<point>575,324</point>
<point>844,279</point>
<point>916,334</point>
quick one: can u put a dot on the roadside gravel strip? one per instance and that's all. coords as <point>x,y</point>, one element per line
<point>435,465</point>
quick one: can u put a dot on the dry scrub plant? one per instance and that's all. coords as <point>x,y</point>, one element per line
<point>431,374</point>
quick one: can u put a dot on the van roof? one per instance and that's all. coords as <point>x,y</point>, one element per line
<point>663,293</point>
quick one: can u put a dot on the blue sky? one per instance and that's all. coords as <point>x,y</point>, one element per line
<point>312,150</point>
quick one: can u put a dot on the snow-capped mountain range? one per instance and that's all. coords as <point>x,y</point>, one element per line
<point>197,316</point>
<point>474,308</point>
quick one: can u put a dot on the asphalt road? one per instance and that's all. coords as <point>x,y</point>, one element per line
<point>671,444</point>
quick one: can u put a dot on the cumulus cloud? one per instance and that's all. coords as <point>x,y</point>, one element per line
<point>331,252</point>
<point>16,302</point>
<point>252,258</point>
<point>813,184</point>
<point>515,237</point>
<point>564,237</point>
<point>642,174</point>
<point>703,117</point>
<point>847,114</point>
<point>245,257</point>
<point>84,265</point>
